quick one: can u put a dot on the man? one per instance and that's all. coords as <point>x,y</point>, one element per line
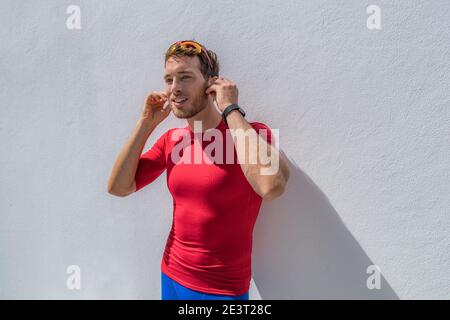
<point>216,202</point>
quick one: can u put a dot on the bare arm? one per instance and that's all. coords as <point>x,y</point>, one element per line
<point>267,178</point>
<point>272,183</point>
<point>121,182</point>
<point>122,179</point>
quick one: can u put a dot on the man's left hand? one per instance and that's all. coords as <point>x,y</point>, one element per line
<point>224,91</point>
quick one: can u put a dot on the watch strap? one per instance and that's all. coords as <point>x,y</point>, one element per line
<point>230,108</point>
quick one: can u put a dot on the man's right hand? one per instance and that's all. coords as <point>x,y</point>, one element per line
<point>153,111</point>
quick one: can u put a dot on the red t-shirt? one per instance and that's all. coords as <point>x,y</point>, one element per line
<point>214,211</point>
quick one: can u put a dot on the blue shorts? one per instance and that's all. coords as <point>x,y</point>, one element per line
<point>172,290</point>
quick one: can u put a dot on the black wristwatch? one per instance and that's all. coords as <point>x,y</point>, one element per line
<point>230,108</point>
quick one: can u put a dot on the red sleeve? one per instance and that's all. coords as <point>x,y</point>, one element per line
<point>264,131</point>
<point>151,163</point>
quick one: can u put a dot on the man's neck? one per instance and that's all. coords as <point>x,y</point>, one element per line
<point>209,117</point>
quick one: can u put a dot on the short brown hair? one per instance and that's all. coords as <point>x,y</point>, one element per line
<point>205,68</point>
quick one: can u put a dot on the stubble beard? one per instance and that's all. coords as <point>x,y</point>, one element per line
<point>196,105</point>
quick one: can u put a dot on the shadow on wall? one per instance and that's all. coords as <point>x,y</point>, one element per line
<point>302,249</point>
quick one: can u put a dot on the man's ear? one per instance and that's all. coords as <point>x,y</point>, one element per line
<point>210,82</point>
<point>212,79</point>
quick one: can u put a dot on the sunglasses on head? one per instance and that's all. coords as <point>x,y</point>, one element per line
<point>190,45</point>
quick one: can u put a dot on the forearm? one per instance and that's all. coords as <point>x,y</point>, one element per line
<point>124,169</point>
<point>263,165</point>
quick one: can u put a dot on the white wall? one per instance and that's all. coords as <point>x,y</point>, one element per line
<point>363,116</point>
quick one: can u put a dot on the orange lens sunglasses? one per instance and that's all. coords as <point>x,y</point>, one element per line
<point>190,44</point>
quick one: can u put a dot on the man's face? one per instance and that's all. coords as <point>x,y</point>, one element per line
<point>184,80</point>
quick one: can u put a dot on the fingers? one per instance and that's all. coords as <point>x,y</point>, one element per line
<point>217,81</point>
<point>156,98</point>
<point>220,80</point>
<point>157,95</point>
